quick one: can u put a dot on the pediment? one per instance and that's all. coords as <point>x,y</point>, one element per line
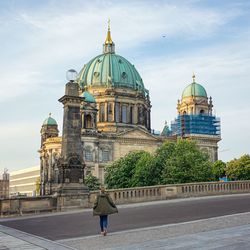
<point>136,133</point>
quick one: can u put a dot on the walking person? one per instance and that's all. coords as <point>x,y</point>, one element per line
<point>104,206</point>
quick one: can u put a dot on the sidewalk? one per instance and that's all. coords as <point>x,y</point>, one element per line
<point>225,232</point>
<point>13,239</point>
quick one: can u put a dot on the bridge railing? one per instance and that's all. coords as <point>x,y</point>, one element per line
<point>140,194</point>
<point>26,205</point>
<point>19,206</point>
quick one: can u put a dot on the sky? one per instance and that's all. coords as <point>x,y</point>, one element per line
<point>166,41</point>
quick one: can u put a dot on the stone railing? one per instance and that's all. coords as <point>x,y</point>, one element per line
<point>28,205</point>
<point>141,194</point>
<point>19,206</point>
<point>213,188</point>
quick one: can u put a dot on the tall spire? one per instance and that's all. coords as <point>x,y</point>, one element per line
<point>108,38</point>
<point>108,46</point>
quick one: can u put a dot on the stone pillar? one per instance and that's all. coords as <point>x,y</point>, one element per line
<point>71,165</point>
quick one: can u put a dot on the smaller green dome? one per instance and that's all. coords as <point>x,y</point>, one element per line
<point>50,121</point>
<point>194,89</point>
<point>88,97</point>
<point>166,131</point>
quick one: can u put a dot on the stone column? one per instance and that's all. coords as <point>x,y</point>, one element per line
<point>71,165</point>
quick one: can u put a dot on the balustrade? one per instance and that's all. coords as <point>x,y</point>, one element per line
<point>122,196</point>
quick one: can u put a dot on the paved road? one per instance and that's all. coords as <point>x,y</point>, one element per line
<point>70,225</point>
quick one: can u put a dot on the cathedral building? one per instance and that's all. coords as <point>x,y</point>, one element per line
<point>107,114</point>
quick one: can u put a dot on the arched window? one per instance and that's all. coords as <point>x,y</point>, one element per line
<point>202,111</point>
<point>88,121</point>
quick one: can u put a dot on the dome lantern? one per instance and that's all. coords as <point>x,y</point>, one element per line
<point>108,46</point>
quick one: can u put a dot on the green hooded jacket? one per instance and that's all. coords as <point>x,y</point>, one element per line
<point>104,205</point>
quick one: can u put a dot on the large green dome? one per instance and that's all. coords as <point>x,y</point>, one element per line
<point>194,89</point>
<point>110,69</point>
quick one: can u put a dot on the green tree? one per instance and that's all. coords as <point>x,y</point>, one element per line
<point>161,155</point>
<point>186,163</point>
<point>92,182</point>
<point>119,174</point>
<point>145,172</point>
<point>219,169</point>
<point>239,169</point>
<point>149,168</point>
<point>172,163</point>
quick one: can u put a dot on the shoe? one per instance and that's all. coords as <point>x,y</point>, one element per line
<point>102,233</point>
<point>105,232</point>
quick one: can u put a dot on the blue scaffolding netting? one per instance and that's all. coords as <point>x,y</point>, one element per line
<point>195,124</point>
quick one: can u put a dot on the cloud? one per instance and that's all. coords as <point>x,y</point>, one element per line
<point>39,43</point>
<point>49,38</point>
<point>19,144</point>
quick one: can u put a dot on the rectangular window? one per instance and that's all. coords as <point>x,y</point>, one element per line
<point>131,115</point>
<point>124,114</point>
<point>102,112</point>
<point>105,155</point>
<point>110,112</point>
<point>117,112</point>
<point>88,155</point>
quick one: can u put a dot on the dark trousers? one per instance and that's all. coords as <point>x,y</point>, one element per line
<point>103,222</point>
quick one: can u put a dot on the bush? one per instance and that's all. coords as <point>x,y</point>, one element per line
<point>92,182</point>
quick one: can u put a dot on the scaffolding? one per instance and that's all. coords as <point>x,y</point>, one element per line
<point>195,124</point>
